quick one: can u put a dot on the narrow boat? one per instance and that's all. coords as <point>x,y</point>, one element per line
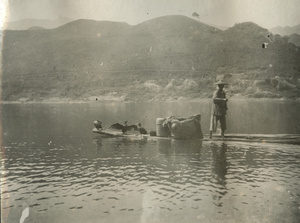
<point>258,138</point>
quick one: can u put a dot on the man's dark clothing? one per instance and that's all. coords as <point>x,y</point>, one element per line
<point>220,107</point>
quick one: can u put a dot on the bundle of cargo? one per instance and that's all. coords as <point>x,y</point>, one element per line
<point>182,128</point>
<point>162,130</point>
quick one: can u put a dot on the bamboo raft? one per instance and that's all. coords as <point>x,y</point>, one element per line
<point>258,138</point>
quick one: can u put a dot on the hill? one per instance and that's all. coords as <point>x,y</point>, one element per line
<point>295,39</point>
<point>44,23</point>
<point>286,31</point>
<point>35,28</point>
<point>165,58</point>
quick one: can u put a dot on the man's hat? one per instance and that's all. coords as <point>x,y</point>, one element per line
<point>221,82</point>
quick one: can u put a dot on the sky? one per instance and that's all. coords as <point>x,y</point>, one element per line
<point>266,13</point>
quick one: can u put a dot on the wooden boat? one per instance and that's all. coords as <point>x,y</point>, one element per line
<point>259,138</point>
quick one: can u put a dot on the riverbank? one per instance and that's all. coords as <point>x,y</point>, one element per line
<point>120,99</point>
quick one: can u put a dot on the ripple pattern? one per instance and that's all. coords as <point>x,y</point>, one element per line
<point>152,180</point>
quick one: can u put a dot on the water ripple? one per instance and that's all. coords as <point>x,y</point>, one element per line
<point>122,177</point>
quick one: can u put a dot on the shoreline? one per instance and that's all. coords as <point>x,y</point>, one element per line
<point>70,101</point>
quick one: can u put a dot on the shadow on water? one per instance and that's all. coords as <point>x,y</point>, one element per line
<point>167,148</point>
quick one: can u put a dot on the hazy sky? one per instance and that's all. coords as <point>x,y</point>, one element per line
<point>266,13</point>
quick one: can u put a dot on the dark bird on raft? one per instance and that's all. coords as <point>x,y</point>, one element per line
<point>98,124</point>
<point>124,127</point>
<point>142,130</point>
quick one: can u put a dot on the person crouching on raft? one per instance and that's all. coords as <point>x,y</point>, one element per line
<point>219,107</point>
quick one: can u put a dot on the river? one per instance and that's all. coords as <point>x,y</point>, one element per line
<point>55,169</point>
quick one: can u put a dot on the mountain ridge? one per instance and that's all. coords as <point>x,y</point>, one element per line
<point>286,30</point>
<point>28,23</point>
<point>167,57</point>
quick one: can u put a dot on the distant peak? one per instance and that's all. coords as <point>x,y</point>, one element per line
<point>247,26</point>
<point>174,21</point>
<point>167,18</point>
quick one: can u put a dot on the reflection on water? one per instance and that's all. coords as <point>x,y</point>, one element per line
<point>219,171</point>
<point>63,172</point>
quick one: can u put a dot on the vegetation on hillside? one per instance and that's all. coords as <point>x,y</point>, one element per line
<point>167,58</point>
<point>295,39</point>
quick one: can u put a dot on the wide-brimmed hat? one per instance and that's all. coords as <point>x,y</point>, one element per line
<point>221,82</point>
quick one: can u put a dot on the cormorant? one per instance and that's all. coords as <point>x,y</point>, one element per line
<point>142,130</point>
<point>97,124</point>
<point>124,127</point>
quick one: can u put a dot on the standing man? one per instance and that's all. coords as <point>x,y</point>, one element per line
<point>219,109</point>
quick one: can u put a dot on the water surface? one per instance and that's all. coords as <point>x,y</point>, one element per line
<point>63,172</point>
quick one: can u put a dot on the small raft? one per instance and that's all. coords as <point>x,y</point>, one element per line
<point>132,135</point>
<point>258,138</point>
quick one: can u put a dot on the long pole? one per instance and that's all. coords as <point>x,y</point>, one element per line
<point>212,122</point>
